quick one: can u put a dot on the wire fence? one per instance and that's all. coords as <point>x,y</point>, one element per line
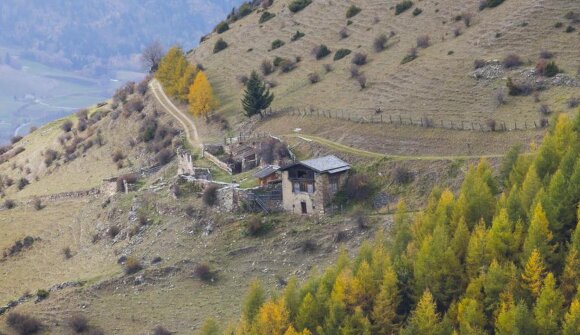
<point>382,117</point>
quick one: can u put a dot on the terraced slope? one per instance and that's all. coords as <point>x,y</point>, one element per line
<point>438,84</point>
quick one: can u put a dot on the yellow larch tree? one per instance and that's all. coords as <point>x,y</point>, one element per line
<point>201,97</point>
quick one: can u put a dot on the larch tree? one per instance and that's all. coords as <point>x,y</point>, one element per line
<point>471,317</point>
<point>549,307</point>
<point>539,235</point>
<point>185,82</point>
<point>572,319</point>
<point>201,97</point>
<point>272,318</point>
<point>502,241</point>
<point>571,275</point>
<point>478,255</point>
<point>253,301</point>
<point>533,275</point>
<point>257,97</point>
<point>384,313</point>
<point>424,319</point>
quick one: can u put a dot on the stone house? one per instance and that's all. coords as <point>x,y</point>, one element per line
<point>309,186</point>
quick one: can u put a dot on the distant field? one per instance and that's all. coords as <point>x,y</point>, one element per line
<point>33,94</point>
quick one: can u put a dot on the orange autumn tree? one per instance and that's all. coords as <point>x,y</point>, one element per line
<point>201,98</point>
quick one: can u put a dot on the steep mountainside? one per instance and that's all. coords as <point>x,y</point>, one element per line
<point>438,84</point>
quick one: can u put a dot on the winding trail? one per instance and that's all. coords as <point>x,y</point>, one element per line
<point>185,120</point>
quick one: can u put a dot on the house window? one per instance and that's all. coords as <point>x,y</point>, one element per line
<point>302,186</point>
<point>333,184</point>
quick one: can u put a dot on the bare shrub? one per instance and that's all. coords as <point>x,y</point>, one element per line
<point>255,225</point>
<point>536,96</point>
<point>456,31</point>
<point>491,124</point>
<point>359,58</point>
<point>210,195</point>
<point>203,272</point>
<point>67,253</point>
<point>362,81</point>
<point>361,219</point>
<point>423,41</point>
<point>402,175</point>
<point>543,122</point>
<point>573,102</point>
<point>544,110</point>
<point>266,67</point>
<point>327,68</point>
<point>37,204</point>
<point>23,324</point>
<point>22,183</point>
<point>287,66</point>
<point>380,43</point>
<point>320,51</point>
<point>309,246</point>
<point>15,139</point>
<point>343,33</point>
<point>545,54</point>
<point>113,231</point>
<point>467,17</point>
<point>132,265</point>
<point>478,63</point>
<point>9,204</point>
<point>164,156</point>
<point>117,156</point>
<point>78,323</point>
<point>511,61</point>
<point>159,330</point>
<point>134,105</point>
<point>515,89</point>
<point>67,126</point>
<point>358,187</point>
<point>313,77</point>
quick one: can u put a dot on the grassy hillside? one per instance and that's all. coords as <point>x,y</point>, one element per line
<point>438,84</point>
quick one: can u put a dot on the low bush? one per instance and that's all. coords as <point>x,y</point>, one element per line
<point>343,33</point>
<point>67,253</point>
<point>417,11</point>
<point>277,44</point>
<point>545,54</point>
<point>341,53</point>
<point>360,218</point>
<point>132,265</point>
<point>551,69</point>
<point>573,102</point>
<point>423,41</point>
<point>23,324</point>
<point>478,63</point>
<point>499,97</point>
<point>42,294</point>
<point>266,67</point>
<point>266,16</point>
<point>37,204</point>
<point>78,323</point>
<point>403,6</point>
<point>309,246</point>
<point>402,175</point>
<point>313,77</point>
<point>66,126</point>
<point>159,330</point>
<point>164,156</point>
<point>297,35</point>
<point>516,89</point>
<point>203,272</point>
<point>287,66</point>
<point>411,55</point>
<point>320,51</point>
<point>467,18</point>
<point>327,68</point>
<point>117,156</point>
<point>22,183</point>
<point>210,195</point>
<point>483,4</point>
<point>358,187</point>
<point>380,43</point>
<point>570,29</point>
<point>352,11</point>
<point>135,105</point>
<point>298,5</point>
<point>255,225</point>
<point>242,79</point>
<point>219,46</point>
<point>222,27</point>
<point>359,59</point>
<point>511,61</point>
<point>113,231</point>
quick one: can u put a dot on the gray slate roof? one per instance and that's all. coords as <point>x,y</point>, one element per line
<point>265,172</point>
<point>327,164</point>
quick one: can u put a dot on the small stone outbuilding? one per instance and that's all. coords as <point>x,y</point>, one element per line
<point>309,186</point>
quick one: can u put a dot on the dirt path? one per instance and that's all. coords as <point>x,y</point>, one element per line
<point>185,120</point>
<point>363,153</point>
